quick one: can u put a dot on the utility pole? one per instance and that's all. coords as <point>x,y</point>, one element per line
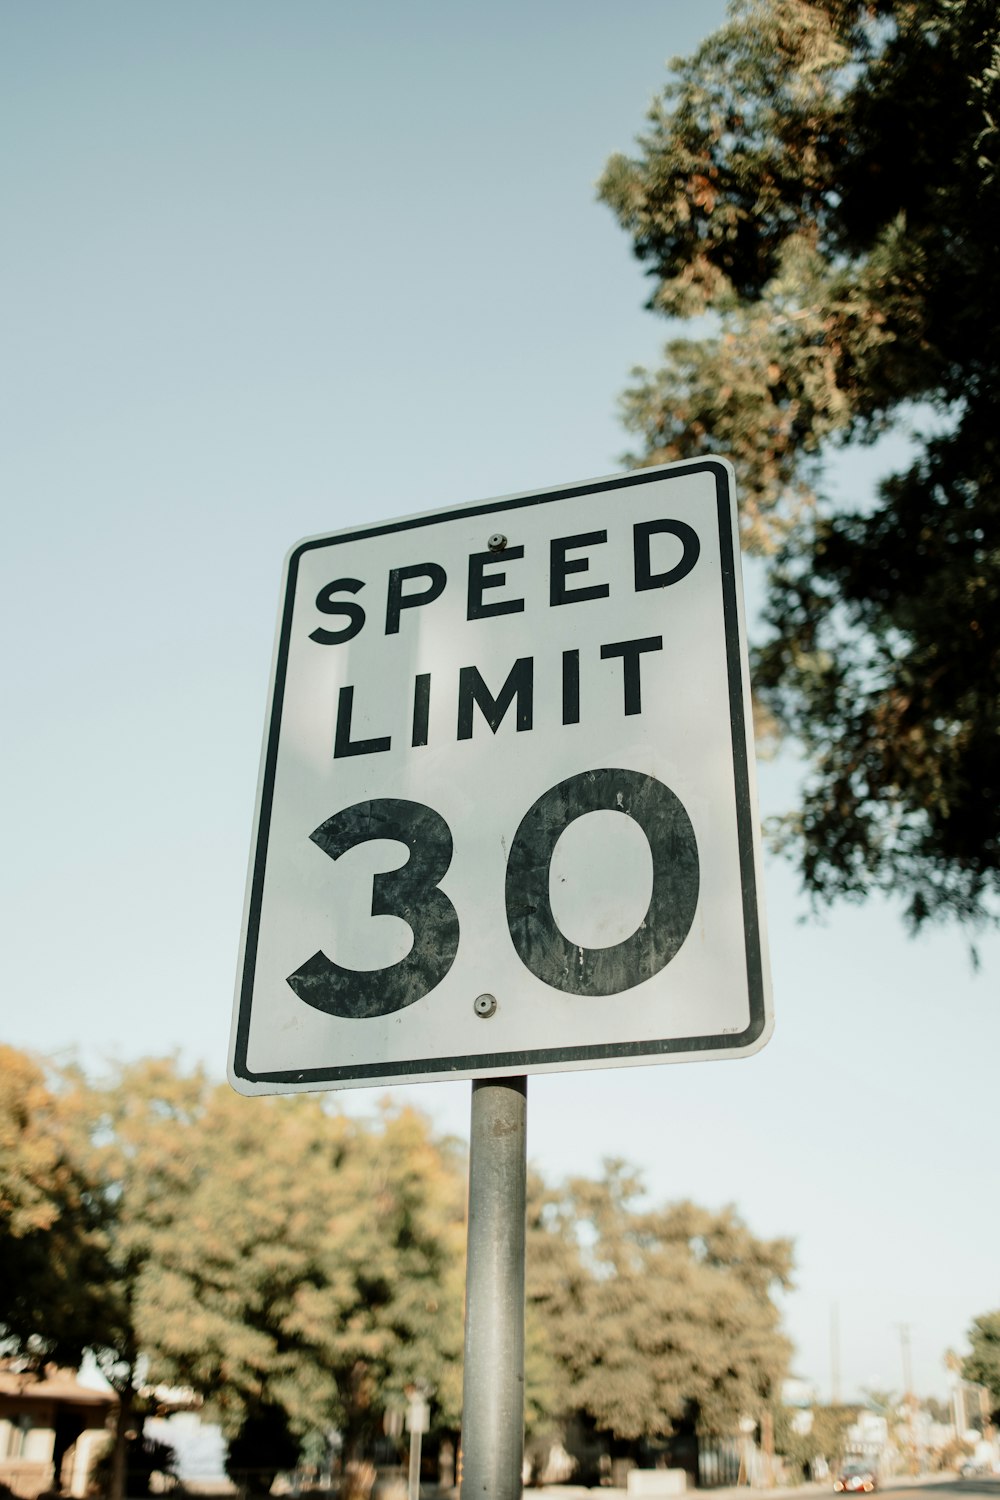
<point>834,1353</point>
<point>767,1446</point>
<point>986,1413</point>
<point>909,1398</point>
<point>958,1416</point>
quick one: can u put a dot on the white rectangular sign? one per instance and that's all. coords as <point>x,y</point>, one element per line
<point>463,705</point>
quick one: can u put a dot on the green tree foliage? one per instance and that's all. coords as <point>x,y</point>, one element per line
<point>983,1364</point>
<point>296,1268</point>
<point>556,1278</point>
<point>50,1256</point>
<point>655,1314</point>
<point>130,1138</point>
<point>315,1271</point>
<point>90,1175</point>
<point>821,180</point>
<point>299,1269</point>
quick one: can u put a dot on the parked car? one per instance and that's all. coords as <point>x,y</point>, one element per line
<point>856,1479</point>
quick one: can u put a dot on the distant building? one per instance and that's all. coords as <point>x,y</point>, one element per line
<point>199,1448</point>
<point>51,1429</point>
<point>799,1393</point>
<point>868,1436</point>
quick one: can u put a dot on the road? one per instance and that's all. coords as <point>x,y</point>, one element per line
<point>937,1487</point>
<point>941,1485</point>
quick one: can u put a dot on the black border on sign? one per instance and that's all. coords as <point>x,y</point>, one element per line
<point>418,1069</point>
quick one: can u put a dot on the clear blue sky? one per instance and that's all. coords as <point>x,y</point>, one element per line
<point>268,271</point>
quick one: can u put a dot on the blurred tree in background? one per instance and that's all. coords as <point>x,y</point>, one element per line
<point>130,1138</point>
<point>297,1269</point>
<point>317,1272</point>
<point>51,1265</point>
<point>819,187</point>
<point>657,1317</point>
<point>294,1268</point>
<point>983,1365</point>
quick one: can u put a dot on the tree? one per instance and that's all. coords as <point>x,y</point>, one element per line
<point>820,184</point>
<point>659,1316</point>
<point>49,1223</point>
<point>88,1176</point>
<point>315,1274</point>
<point>556,1281</point>
<point>983,1365</point>
<point>131,1137</point>
<point>296,1268</point>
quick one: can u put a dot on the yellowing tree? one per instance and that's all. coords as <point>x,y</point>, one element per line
<point>49,1223</point>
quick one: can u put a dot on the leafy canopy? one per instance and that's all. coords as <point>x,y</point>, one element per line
<point>653,1316</point>
<point>309,1271</point>
<point>983,1364</point>
<point>51,1262</point>
<point>819,185</point>
<point>298,1269</point>
<point>294,1268</point>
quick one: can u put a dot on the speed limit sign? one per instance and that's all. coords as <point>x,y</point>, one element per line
<point>506,818</point>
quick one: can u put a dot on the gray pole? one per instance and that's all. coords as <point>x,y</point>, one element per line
<point>493,1387</point>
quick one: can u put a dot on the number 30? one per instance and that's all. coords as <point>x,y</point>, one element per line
<point>413,893</point>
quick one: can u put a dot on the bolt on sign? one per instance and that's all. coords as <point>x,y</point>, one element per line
<point>506,819</point>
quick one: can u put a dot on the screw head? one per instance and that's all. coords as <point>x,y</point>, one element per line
<point>497,542</point>
<point>484,1005</point>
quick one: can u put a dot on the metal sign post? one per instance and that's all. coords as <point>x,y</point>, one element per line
<point>506,824</point>
<point>493,1376</point>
